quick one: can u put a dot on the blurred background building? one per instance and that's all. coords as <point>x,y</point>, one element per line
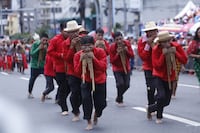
<point>126,15</point>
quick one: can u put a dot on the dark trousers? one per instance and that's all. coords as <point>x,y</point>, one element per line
<point>63,90</point>
<point>98,97</point>
<point>163,97</point>
<point>150,86</point>
<point>35,72</point>
<point>75,98</point>
<point>122,84</point>
<point>49,85</point>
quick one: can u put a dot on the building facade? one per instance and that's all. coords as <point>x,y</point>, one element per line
<point>127,13</point>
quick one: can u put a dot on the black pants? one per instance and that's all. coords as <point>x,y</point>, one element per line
<point>49,85</point>
<point>98,98</point>
<point>75,98</point>
<point>163,97</point>
<point>63,90</point>
<point>122,84</point>
<point>150,86</point>
<point>35,72</point>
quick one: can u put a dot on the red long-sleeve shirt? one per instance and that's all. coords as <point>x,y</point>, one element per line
<point>194,46</point>
<point>115,58</point>
<point>70,52</point>
<point>49,66</point>
<point>99,65</point>
<point>145,54</point>
<point>56,50</point>
<point>159,63</point>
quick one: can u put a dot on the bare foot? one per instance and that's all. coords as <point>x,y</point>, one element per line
<point>149,116</point>
<point>153,113</point>
<point>43,98</point>
<point>89,126</point>
<point>76,118</point>
<point>159,121</point>
<point>120,104</point>
<point>95,119</point>
<point>64,113</point>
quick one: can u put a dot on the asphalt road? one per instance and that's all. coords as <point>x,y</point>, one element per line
<point>21,115</point>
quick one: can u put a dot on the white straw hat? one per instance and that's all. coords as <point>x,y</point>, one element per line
<point>72,26</point>
<point>150,26</point>
<point>163,36</point>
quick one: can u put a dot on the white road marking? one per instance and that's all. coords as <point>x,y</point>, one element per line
<point>187,85</point>
<point>172,117</point>
<point>24,78</point>
<point>4,73</point>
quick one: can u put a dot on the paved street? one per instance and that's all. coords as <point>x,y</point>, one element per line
<point>21,115</point>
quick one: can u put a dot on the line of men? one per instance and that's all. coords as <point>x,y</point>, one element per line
<point>78,63</point>
<point>160,56</point>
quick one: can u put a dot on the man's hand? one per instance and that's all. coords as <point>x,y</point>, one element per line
<point>119,50</point>
<point>83,56</point>
<point>41,46</point>
<point>90,55</point>
<point>151,39</point>
<point>164,51</point>
<point>147,47</point>
<point>172,50</point>
<point>74,42</point>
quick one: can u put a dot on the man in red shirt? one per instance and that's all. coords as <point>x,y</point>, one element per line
<point>100,42</point>
<point>164,55</point>
<point>120,55</point>
<point>93,74</point>
<point>145,45</point>
<point>56,50</point>
<point>72,45</point>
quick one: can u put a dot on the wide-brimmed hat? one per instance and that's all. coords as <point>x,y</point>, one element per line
<point>150,26</point>
<point>83,30</point>
<point>72,26</point>
<point>163,36</point>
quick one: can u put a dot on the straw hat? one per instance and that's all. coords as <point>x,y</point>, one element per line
<point>72,26</point>
<point>150,26</point>
<point>83,30</point>
<point>163,36</point>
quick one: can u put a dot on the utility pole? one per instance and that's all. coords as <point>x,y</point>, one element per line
<point>98,19</point>
<point>21,17</point>
<point>110,16</point>
<point>82,11</point>
<point>125,17</point>
<point>1,18</point>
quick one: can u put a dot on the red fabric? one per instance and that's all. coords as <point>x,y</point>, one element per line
<point>49,66</point>
<point>1,61</point>
<point>99,65</point>
<point>144,54</point>
<point>115,58</point>
<point>193,47</point>
<point>25,65</point>
<point>7,62</point>
<point>69,59</point>
<point>56,50</point>
<point>159,63</point>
